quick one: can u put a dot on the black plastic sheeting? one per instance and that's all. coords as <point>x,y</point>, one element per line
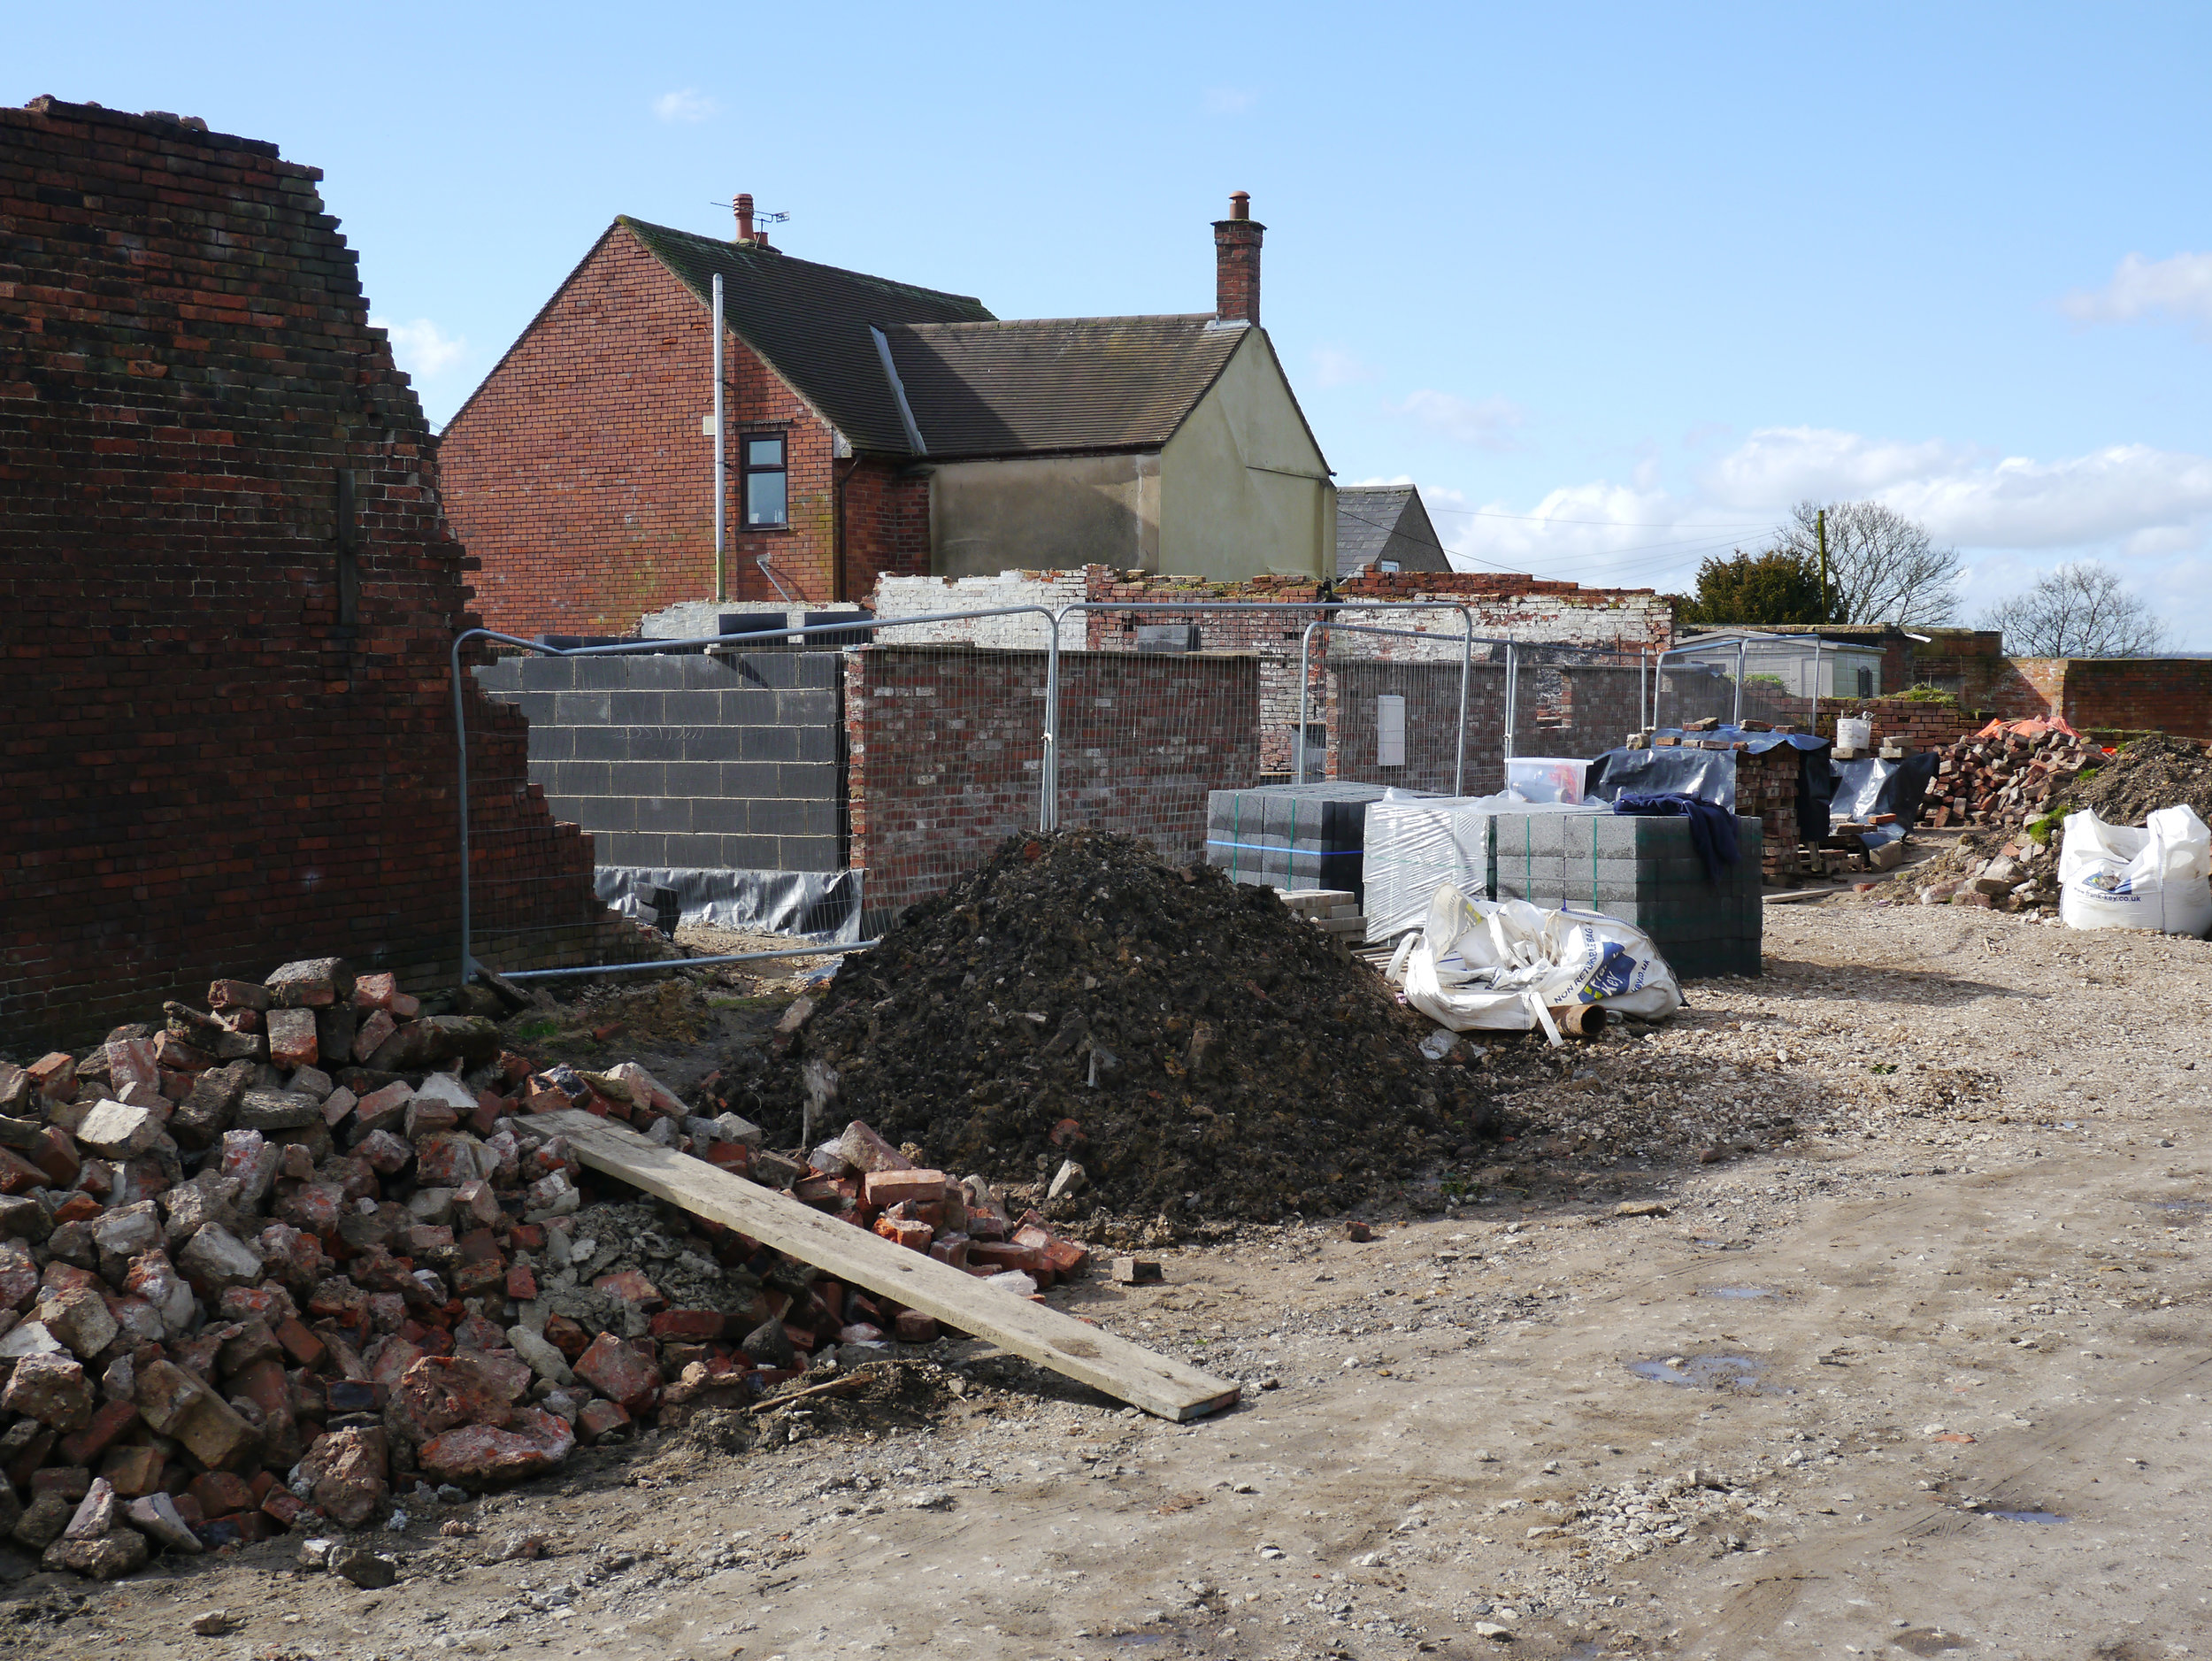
<point>1872,785</point>
<point>1711,774</point>
<point>820,906</point>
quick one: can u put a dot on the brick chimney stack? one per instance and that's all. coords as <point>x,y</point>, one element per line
<point>746,236</point>
<point>1237,263</point>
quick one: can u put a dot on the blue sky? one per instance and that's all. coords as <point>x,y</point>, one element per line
<point>1614,285</point>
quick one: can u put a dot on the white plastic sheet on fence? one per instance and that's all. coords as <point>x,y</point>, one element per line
<point>1502,966</point>
<point>2159,877</point>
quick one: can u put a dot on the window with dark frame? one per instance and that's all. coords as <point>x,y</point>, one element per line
<point>767,499</point>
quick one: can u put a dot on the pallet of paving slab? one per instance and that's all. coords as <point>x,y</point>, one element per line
<point>1126,1371</point>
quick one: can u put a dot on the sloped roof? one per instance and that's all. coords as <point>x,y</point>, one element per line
<point>1385,521</point>
<point>811,323</point>
<point>1053,385</point>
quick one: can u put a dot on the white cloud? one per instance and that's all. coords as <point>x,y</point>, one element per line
<point>1230,100</point>
<point>2147,510</point>
<point>2179,289</point>
<point>421,348</point>
<point>1332,366</point>
<point>686,103</point>
<point>1485,423</point>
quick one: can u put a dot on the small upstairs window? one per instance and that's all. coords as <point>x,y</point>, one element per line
<point>767,499</point>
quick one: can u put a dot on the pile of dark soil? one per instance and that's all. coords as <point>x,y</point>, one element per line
<point>1198,1050</point>
<point>2150,773</point>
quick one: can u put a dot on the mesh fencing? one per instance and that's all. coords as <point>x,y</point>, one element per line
<point>1774,678</point>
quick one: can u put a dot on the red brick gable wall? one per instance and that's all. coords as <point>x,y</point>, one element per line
<point>203,774</point>
<point>578,472</point>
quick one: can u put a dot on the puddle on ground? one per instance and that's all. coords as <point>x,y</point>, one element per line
<point>1739,1291</point>
<point>1739,1374</point>
<point>2025,1515</point>
<point>2186,1208</point>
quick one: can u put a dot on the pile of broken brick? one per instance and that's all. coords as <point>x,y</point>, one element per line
<point>2005,776</point>
<point>267,1266</point>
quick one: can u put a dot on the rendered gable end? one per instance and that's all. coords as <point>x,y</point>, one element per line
<point>1244,490</point>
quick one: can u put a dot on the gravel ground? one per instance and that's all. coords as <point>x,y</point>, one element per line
<point>1906,1354</point>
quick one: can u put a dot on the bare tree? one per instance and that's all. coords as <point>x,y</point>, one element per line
<point>2081,609</point>
<point>1882,567</point>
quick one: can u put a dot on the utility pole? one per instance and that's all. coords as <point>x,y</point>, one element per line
<point>1821,526</point>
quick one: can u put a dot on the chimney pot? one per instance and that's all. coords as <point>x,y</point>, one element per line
<point>1237,263</point>
<point>744,216</point>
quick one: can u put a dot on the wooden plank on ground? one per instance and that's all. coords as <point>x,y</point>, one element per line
<point>1127,1371</point>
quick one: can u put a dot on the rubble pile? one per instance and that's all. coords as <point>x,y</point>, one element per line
<point>280,1261</point>
<point>2006,775</point>
<point>1154,1040</point>
<point>2014,868</point>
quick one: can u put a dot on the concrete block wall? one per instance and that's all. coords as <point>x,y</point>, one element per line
<point>689,760</point>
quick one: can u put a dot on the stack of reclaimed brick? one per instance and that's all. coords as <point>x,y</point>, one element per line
<point>265,1265</point>
<point>2005,777</point>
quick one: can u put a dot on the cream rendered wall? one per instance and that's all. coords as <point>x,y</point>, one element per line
<point>1045,512</point>
<point>1244,490</point>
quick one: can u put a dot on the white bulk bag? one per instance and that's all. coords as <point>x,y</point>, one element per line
<point>1500,965</point>
<point>2160,877</point>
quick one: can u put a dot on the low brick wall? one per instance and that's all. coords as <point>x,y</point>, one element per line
<point>1917,723</point>
<point>945,753</point>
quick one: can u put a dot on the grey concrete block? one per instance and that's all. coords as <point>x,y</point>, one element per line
<point>809,779</point>
<point>777,669</point>
<point>634,709</point>
<point>691,708</point>
<point>656,743</point>
<point>708,672</point>
<point>597,813</point>
<point>504,675</point>
<point>579,777</point>
<point>774,744</point>
<point>816,743</point>
<point>749,706</point>
<point>775,816</point>
<point>824,671</point>
<point>808,853</point>
<point>631,849</point>
<point>722,815</point>
<point>581,709</point>
<point>752,853</point>
<point>640,778</point>
<point>600,743</point>
<point>711,744</point>
<point>694,778</point>
<point>600,674</point>
<point>818,818</point>
<point>800,709</point>
<point>698,852</point>
<point>653,671</point>
<point>664,813</point>
<point>549,744</point>
<point>545,674</point>
<point>748,778</point>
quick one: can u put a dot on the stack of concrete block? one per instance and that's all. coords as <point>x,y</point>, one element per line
<point>1331,910</point>
<point>1292,836</point>
<point>1644,871</point>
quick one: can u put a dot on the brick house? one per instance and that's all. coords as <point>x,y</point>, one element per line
<point>873,428</point>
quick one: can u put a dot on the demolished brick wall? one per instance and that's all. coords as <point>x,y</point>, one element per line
<point>2125,695</point>
<point>226,730</point>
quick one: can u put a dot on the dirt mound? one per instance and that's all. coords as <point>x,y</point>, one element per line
<point>1197,1048</point>
<point>2150,773</point>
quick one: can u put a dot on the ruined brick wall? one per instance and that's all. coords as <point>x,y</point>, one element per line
<point>207,769</point>
<point>1528,609</point>
<point>945,754</point>
<point>578,472</point>
<point>2128,694</point>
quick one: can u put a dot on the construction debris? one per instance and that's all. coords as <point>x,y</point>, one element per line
<point>275,1263</point>
<point>1198,1050</point>
<point>2013,866</point>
